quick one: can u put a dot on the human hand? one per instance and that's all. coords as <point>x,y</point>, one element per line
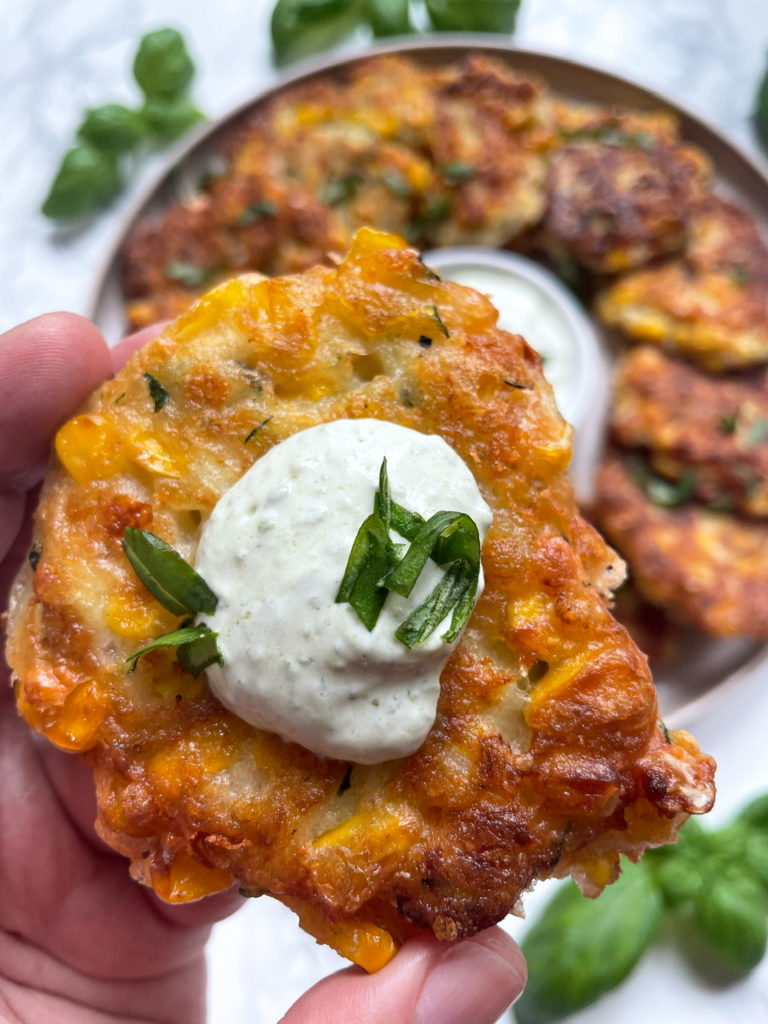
<point>80,942</point>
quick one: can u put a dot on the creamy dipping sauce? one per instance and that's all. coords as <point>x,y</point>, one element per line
<point>274,552</point>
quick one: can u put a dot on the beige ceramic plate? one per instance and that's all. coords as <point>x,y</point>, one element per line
<point>705,669</point>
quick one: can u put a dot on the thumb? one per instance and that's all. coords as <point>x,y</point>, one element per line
<point>428,982</point>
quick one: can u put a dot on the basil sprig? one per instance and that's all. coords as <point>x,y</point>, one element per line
<point>90,174</point>
<point>180,589</point>
<point>302,27</point>
<point>375,566</point>
<point>715,881</point>
<point>166,575</point>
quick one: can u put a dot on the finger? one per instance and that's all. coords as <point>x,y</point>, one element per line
<point>124,349</point>
<point>428,982</point>
<point>48,366</point>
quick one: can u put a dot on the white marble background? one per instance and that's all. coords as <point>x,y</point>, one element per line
<point>62,55</point>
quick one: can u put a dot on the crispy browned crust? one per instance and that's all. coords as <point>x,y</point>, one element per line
<point>546,756</point>
<point>387,143</point>
<point>711,304</point>
<point>707,570</point>
<point>621,187</point>
<point>689,420</point>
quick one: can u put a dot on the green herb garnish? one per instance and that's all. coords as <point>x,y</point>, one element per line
<point>439,320</point>
<point>515,384</point>
<point>339,190</point>
<point>727,424</point>
<point>397,184</point>
<point>178,638</point>
<point>670,493</point>
<point>182,591</point>
<point>256,429</point>
<point>196,655</point>
<point>157,392</point>
<point>457,172</point>
<point>263,209</point>
<point>34,557</point>
<point>375,566</point>
<point>610,135</point>
<point>189,274</point>
<point>90,174</point>
<point>166,575</point>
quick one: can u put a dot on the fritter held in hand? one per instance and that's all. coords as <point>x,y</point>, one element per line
<point>546,757</point>
<point>705,569</point>
<point>712,303</point>
<point>711,432</point>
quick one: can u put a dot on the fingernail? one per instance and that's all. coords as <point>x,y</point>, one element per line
<point>474,983</point>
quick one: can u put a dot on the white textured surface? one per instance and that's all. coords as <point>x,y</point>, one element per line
<point>61,56</point>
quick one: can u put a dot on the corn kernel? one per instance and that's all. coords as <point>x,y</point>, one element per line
<point>89,448</point>
<point>188,879</point>
<point>128,615</point>
<point>150,453</point>
<point>77,724</point>
<point>365,945</point>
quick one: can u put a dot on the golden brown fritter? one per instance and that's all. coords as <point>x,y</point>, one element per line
<point>546,756</point>
<point>456,154</point>
<point>712,303</point>
<point>621,187</point>
<point>711,430</point>
<point>705,569</point>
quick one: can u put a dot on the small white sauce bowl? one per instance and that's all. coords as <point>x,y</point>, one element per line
<point>533,302</point>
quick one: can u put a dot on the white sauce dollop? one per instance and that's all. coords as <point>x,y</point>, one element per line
<point>274,551</point>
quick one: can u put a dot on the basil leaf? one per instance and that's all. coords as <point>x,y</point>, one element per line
<point>670,493</point>
<point>760,116</point>
<point>403,577</point>
<point>457,172</point>
<point>157,392</point>
<point>755,814</point>
<point>258,211</point>
<point>581,948</point>
<point>389,17</point>
<point>113,128</point>
<point>339,190</point>
<point>87,179</point>
<point>383,502</point>
<point>756,856</point>
<point>302,27</point>
<point>371,557</point>
<point>679,869</point>
<point>179,636</point>
<point>425,619</point>
<point>730,911</point>
<point>406,523</point>
<point>196,655</point>
<point>162,66</point>
<point>477,16</point>
<point>189,274</point>
<point>168,119</point>
<point>166,575</point>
